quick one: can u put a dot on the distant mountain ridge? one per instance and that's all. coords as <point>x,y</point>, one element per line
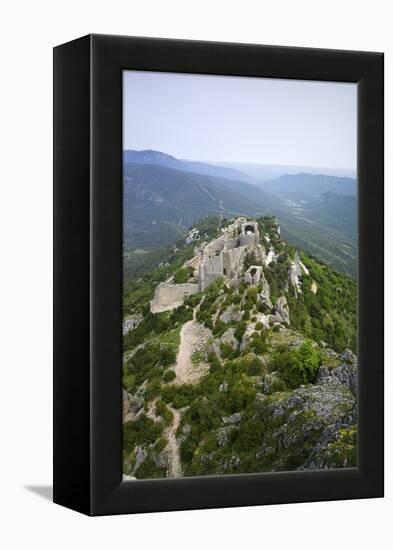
<point>160,202</point>
<point>150,156</point>
<point>311,184</point>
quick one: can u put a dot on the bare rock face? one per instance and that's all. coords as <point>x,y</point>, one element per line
<point>231,314</point>
<point>345,372</point>
<point>298,423</point>
<point>228,338</point>
<point>233,419</point>
<point>265,293</point>
<point>131,322</point>
<point>140,457</point>
<point>160,459</point>
<point>295,273</point>
<point>133,403</point>
<point>282,310</point>
<point>126,403</point>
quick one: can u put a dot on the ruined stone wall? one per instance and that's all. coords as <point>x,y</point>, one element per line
<point>253,275</point>
<point>210,270</point>
<point>249,240</point>
<point>215,247</point>
<point>231,243</point>
<point>169,296</point>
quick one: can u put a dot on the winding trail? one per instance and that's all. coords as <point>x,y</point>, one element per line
<point>192,337</point>
<point>174,462</point>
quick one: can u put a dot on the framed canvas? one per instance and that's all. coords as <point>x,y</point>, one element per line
<point>218,275</point>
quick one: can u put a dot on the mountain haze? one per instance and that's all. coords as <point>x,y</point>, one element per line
<point>311,184</point>
<point>149,156</point>
<point>160,202</point>
<point>163,198</point>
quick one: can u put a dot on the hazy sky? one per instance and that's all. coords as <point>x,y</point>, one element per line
<point>239,119</point>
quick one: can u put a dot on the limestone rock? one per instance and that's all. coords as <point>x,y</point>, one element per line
<point>227,338</point>
<point>223,387</point>
<point>131,322</point>
<point>233,419</point>
<point>282,309</point>
<point>223,435</point>
<point>231,314</point>
<point>126,403</point>
<point>296,421</point>
<point>346,372</point>
<point>140,457</point>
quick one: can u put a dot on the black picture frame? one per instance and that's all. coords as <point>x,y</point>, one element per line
<point>88,274</point>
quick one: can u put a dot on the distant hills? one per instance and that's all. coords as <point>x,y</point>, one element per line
<point>161,202</point>
<point>150,156</point>
<point>311,185</point>
<point>163,196</point>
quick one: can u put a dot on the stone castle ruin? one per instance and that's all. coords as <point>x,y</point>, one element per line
<point>222,257</point>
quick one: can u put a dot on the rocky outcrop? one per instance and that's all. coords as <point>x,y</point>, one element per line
<point>232,419</point>
<point>231,314</point>
<point>265,292</point>
<point>344,372</point>
<point>131,322</point>
<point>140,457</point>
<point>133,403</point>
<point>227,339</point>
<point>299,421</point>
<point>295,272</point>
<point>282,310</point>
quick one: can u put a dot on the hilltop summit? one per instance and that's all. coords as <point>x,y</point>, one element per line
<point>246,364</point>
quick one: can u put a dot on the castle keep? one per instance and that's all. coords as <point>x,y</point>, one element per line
<point>222,257</point>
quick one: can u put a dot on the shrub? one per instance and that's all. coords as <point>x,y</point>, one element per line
<point>148,470</point>
<point>179,396</point>
<point>141,431</point>
<point>306,361</point>
<point>298,366</point>
<point>193,300</point>
<point>163,411</point>
<point>160,444</point>
<point>227,351</point>
<point>153,388</point>
<point>169,375</point>
<point>259,344</point>
<point>240,330</point>
<point>219,327</point>
<point>181,314</point>
<point>181,275</point>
